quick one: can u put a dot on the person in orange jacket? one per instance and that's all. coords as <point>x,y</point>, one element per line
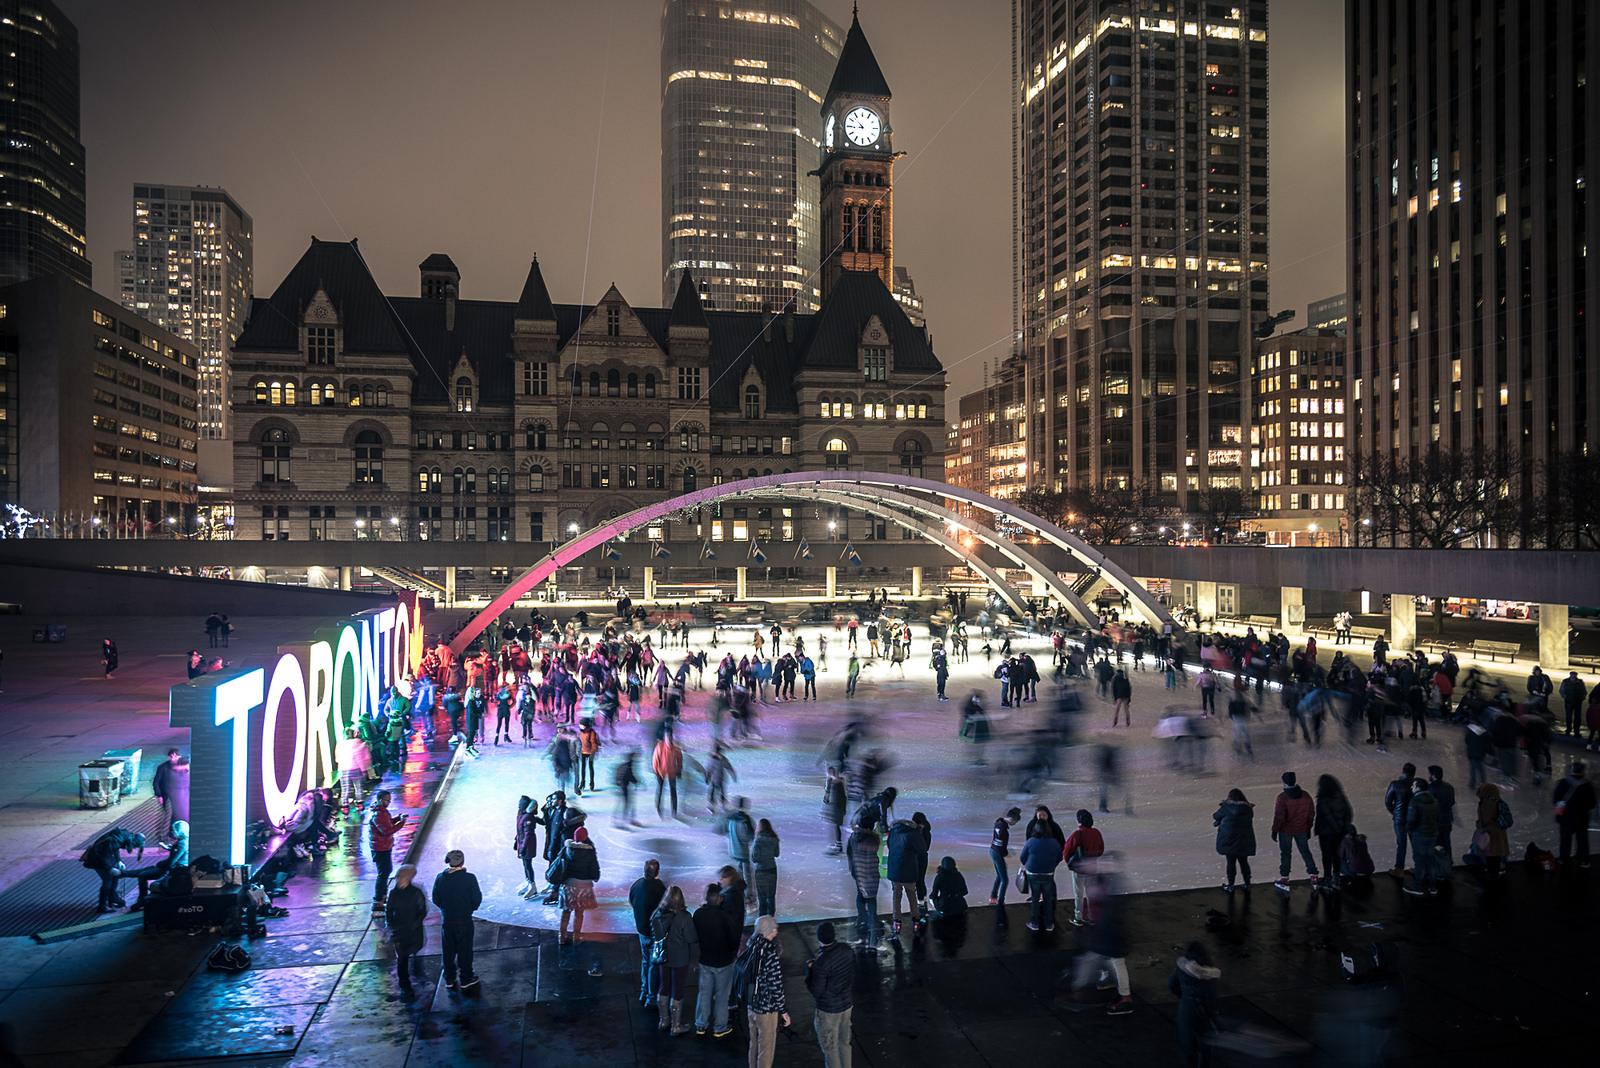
<point>667,763</point>
<point>588,746</point>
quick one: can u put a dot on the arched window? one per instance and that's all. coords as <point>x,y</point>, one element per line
<point>836,455</point>
<point>436,480</point>
<point>288,393</point>
<point>577,382</point>
<point>369,397</point>
<point>472,480</point>
<point>752,402</point>
<point>594,383</point>
<point>716,476</point>
<point>911,459</point>
<point>463,394</point>
<point>633,385</point>
<point>650,385</point>
<point>538,435</point>
<point>536,480</point>
<point>275,456</point>
<point>327,393</point>
<point>261,393</point>
<point>613,383</point>
<point>691,481</point>
<point>369,456</point>
<point>277,392</point>
<point>455,484</point>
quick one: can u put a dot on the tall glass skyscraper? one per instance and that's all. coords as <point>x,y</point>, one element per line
<point>1141,239</point>
<point>741,128</point>
<point>42,225</point>
<point>192,259</point>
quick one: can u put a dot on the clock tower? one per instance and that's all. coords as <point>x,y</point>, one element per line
<point>857,167</point>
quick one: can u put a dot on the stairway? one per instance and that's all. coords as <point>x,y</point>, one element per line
<point>408,580</point>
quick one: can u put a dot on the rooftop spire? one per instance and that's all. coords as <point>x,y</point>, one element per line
<point>858,72</point>
<point>534,304</point>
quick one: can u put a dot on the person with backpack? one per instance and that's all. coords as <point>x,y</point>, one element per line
<point>718,933</point>
<point>1234,820</point>
<point>405,912</point>
<point>1490,840</point>
<point>643,897</point>
<point>1574,801</point>
<point>906,846</point>
<point>381,828</point>
<point>457,895</point>
<point>674,932</point>
<point>830,978</point>
<point>765,1001</point>
<point>577,870</point>
<point>1082,846</point>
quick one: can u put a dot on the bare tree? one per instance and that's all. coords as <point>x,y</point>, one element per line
<point>1440,498</point>
<point>1570,512</point>
<point>1220,511</point>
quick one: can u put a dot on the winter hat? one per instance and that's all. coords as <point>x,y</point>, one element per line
<point>581,834</point>
<point>825,933</point>
<point>1288,778</point>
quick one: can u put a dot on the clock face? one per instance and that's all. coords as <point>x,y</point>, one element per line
<point>828,138</point>
<point>861,126</point>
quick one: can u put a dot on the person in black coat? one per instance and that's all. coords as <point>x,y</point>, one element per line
<point>1043,821</point>
<point>831,977</point>
<point>949,893</point>
<point>1236,835</point>
<point>526,844</point>
<point>457,894</point>
<point>405,909</point>
<point>1332,822</point>
<point>105,857</point>
<point>1194,981</point>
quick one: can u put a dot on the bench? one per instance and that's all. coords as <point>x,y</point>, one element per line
<point>1263,622</point>
<point>1591,662</point>
<point>1329,633</point>
<point>1228,621</point>
<point>1437,646</point>
<point>1365,634</point>
<point>1491,650</point>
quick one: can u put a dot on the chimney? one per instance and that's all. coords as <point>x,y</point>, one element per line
<point>766,321</point>
<point>450,306</point>
<point>788,322</point>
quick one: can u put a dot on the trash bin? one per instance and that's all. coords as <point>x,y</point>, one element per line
<point>130,772</point>
<point>100,783</point>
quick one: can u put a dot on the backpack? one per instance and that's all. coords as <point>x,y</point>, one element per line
<point>1502,814</point>
<point>226,958</point>
<point>744,973</point>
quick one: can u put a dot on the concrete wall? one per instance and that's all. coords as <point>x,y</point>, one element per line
<point>42,591</point>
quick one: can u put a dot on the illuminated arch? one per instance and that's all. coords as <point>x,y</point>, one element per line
<point>850,486</point>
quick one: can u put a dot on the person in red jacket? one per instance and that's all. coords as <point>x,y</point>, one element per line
<point>1291,826</point>
<point>667,763</point>
<point>381,830</point>
<point>1083,845</point>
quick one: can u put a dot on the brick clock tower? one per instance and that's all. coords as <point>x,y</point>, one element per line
<point>857,167</point>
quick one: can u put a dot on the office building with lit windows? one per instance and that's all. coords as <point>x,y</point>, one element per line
<point>1299,438</point>
<point>42,176</point>
<point>98,428</point>
<point>1140,239</point>
<point>193,254</point>
<point>1468,128</point>
<point>741,133</point>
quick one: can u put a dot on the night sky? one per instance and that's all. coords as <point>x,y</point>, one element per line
<point>496,131</point>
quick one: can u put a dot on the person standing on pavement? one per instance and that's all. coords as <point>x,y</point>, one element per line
<point>766,1006</point>
<point>405,910</point>
<point>1573,695</point>
<point>831,977</point>
<point>1574,799</point>
<point>171,787</point>
<point>381,828</point>
<point>1496,844</point>
<point>579,871</point>
<point>1478,744</point>
<point>999,849</point>
<point>906,845</point>
<point>718,933</point>
<point>862,850</point>
<point>673,928</point>
<point>457,896</point>
<point>1234,820</point>
<point>108,657</point>
<point>1445,795</point>
<point>764,852</point>
<point>1040,856</point>
<point>1105,944</point>
<point>734,893</point>
<point>643,897</point>
<point>1397,800</point>
<point>1084,844</point>
<point>1206,683</point>
<point>1422,824</point>
<point>1292,818</point>
<point>1121,695</point>
<point>1194,983</point>
<point>1332,822</point>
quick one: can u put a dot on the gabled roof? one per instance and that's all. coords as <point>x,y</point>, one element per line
<point>534,304</point>
<point>855,298</point>
<point>686,307</point>
<point>858,73</point>
<point>370,327</point>
<point>438,261</point>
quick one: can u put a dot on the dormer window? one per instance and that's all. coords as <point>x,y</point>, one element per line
<point>320,345</point>
<point>752,402</point>
<point>875,364</point>
<point>463,394</point>
<point>613,322</point>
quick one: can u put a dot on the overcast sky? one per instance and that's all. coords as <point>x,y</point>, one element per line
<point>496,131</point>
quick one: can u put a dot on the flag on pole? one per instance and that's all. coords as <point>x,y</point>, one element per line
<point>706,552</point>
<point>611,552</point>
<point>804,551</point>
<point>756,554</point>
<point>659,551</point>
<point>855,557</point>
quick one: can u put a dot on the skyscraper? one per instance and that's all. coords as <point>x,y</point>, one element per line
<point>1140,250</point>
<point>1468,129</point>
<point>192,262</point>
<point>42,229</point>
<point>741,128</point>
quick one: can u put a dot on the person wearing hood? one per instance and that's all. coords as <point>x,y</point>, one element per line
<point>105,857</point>
<point>1292,818</point>
<point>579,870</point>
<point>1046,823</point>
<point>1236,835</point>
<point>405,910</point>
<point>1491,839</point>
<point>526,844</point>
<point>1333,821</point>
<point>672,927</point>
<point>949,892</point>
<point>908,855</point>
<point>1194,982</point>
